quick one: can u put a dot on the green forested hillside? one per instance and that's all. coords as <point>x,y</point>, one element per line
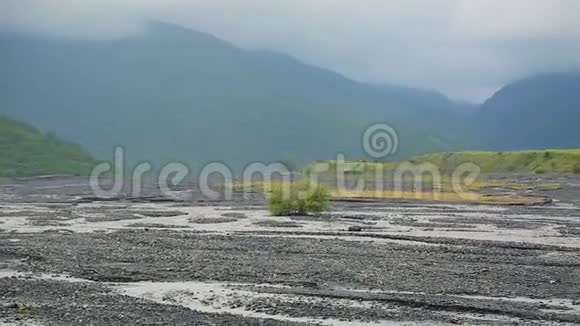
<point>24,151</point>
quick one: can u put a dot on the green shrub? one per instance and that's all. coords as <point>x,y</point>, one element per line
<point>539,170</point>
<point>298,198</point>
<point>576,169</point>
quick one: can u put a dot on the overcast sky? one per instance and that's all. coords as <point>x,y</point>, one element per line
<point>464,48</point>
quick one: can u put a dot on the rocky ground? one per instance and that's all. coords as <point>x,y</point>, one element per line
<point>68,259</point>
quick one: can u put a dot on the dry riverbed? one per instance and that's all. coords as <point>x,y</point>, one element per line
<point>66,259</point>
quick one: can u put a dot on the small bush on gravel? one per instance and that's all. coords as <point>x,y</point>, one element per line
<point>298,198</point>
<point>539,170</point>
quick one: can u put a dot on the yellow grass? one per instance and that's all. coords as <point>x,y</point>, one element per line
<point>469,197</point>
<point>482,184</point>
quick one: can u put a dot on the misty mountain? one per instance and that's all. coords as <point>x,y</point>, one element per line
<point>25,151</point>
<point>420,98</point>
<point>177,94</point>
<point>539,112</point>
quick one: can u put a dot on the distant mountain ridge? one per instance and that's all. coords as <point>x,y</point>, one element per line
<point>538,112</point>
<point>176,94</point>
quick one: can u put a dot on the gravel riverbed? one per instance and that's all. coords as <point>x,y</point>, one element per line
<point>67,259</point>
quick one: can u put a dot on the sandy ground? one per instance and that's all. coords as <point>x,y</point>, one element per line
<point>66,259</point>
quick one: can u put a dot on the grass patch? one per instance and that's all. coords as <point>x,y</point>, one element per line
<point>535,161</point>
<point>23,308</point>
<point>514,185</point>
